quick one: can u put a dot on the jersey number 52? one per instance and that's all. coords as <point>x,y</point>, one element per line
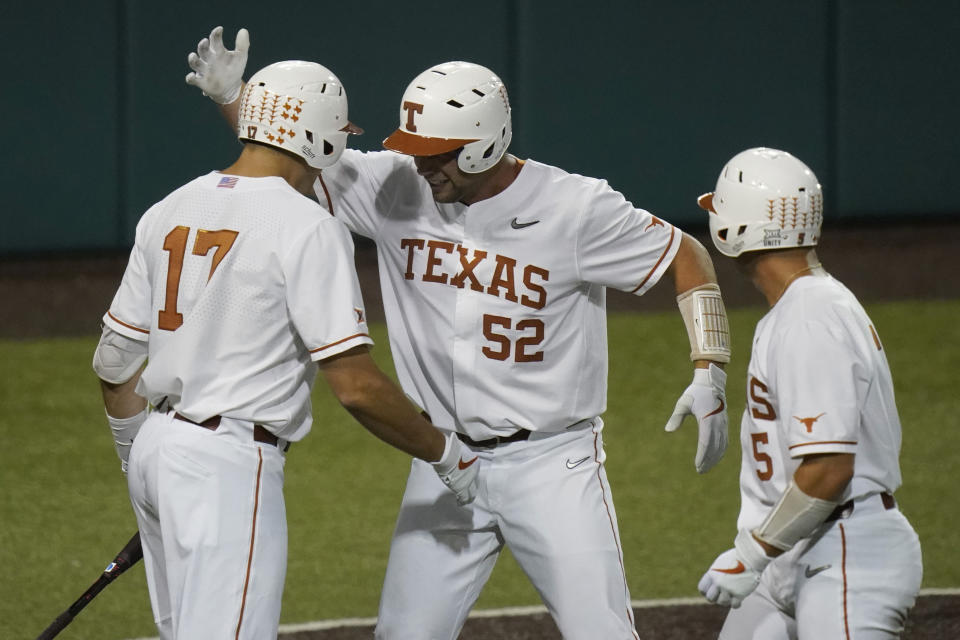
<point>523,350</point>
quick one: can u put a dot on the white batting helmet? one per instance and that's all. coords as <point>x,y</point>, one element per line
<point>765,199</point>
<point>453,105</point>
<point>300,107</point>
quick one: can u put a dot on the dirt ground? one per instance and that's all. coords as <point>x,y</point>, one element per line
<point>67,295</point>
<point>46,296</point>
<point>934,618</point>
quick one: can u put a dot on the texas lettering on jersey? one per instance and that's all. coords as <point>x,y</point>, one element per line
<point>508,280</point>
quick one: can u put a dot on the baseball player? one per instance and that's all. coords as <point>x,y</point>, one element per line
<point>822,550</point>
<point>238,289</point>
<point>494,272</point>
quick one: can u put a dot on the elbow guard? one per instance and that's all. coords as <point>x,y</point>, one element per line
<point>118,357</point>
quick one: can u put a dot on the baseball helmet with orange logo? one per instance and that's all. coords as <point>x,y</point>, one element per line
<point>765,199</point>
<point>454,105</point>
<point>300,107</point>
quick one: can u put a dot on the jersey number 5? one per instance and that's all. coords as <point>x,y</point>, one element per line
<point>176,245</point>
<point>763,459</point>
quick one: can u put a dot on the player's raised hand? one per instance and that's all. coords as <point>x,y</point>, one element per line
<point>218,71</point>
<point>735,573</point>
<point>705,399</point>
<point>458,468</point>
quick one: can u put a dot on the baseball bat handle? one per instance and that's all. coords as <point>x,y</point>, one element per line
<point>56,626</point>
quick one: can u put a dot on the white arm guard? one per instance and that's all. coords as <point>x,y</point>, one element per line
<point>118,357</point>
<point>706,320</point>
<point>793,518</point>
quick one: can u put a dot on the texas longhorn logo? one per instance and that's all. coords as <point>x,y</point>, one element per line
<point>808,422</point>
<point>656,222</point>
<point>411,108</point>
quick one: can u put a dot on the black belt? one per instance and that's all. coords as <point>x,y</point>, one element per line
<point>518,436</point>
<point>846,509</point>
<point>260,432</point>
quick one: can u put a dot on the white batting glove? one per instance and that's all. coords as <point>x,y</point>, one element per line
<point>706,400</point>
<point>124,431</point>
<point>217,71</point>
<point>735,573</point>
<point>458,469</point>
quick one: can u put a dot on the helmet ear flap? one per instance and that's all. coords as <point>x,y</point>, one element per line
<point>477,157</point>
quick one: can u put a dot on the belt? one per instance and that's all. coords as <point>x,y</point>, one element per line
<point>518,436</point>
<point>260,433</point>
<point>845,510</point>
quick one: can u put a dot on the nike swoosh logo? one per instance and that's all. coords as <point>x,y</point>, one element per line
<point>812,572</point>
<point>516,224</point>
<point>717,410</point>
<point>463,465</point>
<point>737,569</point>
<point>573,464</point>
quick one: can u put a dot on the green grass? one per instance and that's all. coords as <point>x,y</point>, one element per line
<point>64,511</point>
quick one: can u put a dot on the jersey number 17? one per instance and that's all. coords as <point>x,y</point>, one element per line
<point>175,243</point>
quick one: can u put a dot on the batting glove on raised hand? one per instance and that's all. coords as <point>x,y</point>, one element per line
<point>217,71</point>
<point>458,469</point>
<point>735,573</point>
<point>705,399</point>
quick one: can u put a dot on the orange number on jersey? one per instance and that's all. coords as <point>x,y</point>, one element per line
<point>522,353</point>
<point>765,410</point>
<point>206,240</point>
<point>760,456</point>
<point>537,325</point>
<point>176,244</point>
<point>488,323</point>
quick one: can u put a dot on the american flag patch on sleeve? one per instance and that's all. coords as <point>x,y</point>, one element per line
<point>228,182</point>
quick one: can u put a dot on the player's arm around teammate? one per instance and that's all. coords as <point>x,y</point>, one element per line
<point>218,71</point>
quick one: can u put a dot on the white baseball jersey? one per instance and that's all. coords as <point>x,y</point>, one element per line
<point>496,311</point>
<point>818,382</point>
<point>239,284</point>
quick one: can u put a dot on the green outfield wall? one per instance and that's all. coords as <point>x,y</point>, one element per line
<point>653,96</point>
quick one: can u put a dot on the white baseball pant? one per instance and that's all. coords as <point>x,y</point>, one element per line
<point>856,577</point>
<point>212,519</point>
<point>548,500</point>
